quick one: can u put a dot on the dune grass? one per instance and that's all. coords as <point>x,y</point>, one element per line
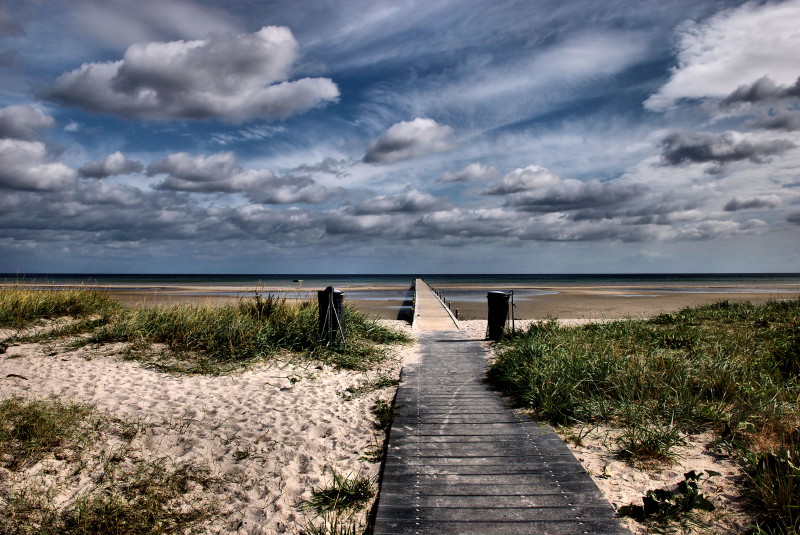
<point>200,339</point>
<point>19,306</point>
<point>144,497</point>
<point>30,430</point>
<point>731,367</point>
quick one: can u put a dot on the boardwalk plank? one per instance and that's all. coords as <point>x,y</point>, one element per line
<point>460,461</point>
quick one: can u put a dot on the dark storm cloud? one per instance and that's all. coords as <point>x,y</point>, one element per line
<point>703,147</point>
<point>111,165</point>
<point>762,90</point>
<point>409,139</point>
<point>575,195</point>
<point>737,203</point>
<point>24,122</point>
<point>228,77</point>
<point>782,120</point>
<point>793,217</point>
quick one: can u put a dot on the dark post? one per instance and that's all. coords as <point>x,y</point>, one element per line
<point>498,312</point>
<point>331,314</point>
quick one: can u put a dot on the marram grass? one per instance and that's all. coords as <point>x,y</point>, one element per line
<point>731,367</point>
<point>200,339</point>
<point>20,306</point>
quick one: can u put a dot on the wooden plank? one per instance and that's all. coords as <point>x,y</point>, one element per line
<point>460,461</point>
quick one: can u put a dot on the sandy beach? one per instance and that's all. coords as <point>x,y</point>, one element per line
<point>277,431</point>
<point>273,433</point>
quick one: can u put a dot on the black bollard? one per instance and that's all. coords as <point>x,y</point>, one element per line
<point>498,312</point>
<point>331,314</point>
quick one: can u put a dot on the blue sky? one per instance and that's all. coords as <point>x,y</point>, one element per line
<point>349,136</point>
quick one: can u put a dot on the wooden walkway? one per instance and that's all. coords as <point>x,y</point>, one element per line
<point>459,461</point>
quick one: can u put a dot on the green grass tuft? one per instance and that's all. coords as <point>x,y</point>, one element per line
<point>30,430</point>
<point>21,306</point>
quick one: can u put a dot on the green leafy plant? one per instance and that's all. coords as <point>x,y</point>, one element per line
<point>665,504</point>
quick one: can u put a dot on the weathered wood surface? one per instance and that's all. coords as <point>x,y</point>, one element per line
<point>459,461</point>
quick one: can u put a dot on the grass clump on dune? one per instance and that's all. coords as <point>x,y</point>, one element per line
<point>730,367</point>
<point>19,307</point>
<point>209,339</point>
<point>200,339</point>
<point>110,494</point>
<point>32,429</point>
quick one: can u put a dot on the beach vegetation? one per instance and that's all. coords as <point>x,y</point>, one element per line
<point>199,339</point>
<point>336,506</point>
<point>111,489</point>
<point>33,429</point>
<point>19,307</point>
<point>733,368</point>
<point>384,413</point>
<point>206,339</point>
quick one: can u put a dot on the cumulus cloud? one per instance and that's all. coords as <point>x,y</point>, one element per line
<point>704,147</point>
<point>23,122</point>
<point>472,173</point>
<point>407,201</point>
<point>520,180</point>
<point>221,173</point>
<point>111,165</point>
<point>207,174</point>
<point>765,201</point>
<point>409,139</point>
<point>23,166</point>
<point>535,189</point>
<point>731,49</point>
<point>228,77</point>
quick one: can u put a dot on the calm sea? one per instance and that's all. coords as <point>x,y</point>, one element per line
<point>394,288</point>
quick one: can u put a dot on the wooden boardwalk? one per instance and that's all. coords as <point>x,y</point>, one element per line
<point>459,461</point>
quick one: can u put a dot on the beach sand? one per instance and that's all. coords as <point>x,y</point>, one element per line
<point>274,432</point>
<point>296,424</point>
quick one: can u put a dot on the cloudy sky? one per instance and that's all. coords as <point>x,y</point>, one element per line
<point>453,136</point>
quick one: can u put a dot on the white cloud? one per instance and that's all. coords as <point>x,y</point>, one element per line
<point>221,173</point>
<point>113,164</point>
<point>23,167</point>
<point>406,201</point>
<point>409,139</point>
<point>471,173</point>
<point>229,77</point>
<point>520,180</point>
<point>733,48</point>
<point>216,173</point>
<point>23,122</point>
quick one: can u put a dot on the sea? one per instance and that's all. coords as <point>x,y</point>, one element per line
<point>395,289</point>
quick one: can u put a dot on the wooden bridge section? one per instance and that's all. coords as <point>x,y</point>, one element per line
<point>460,461</point>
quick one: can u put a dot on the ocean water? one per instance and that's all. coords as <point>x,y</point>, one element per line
<point>394,289</point>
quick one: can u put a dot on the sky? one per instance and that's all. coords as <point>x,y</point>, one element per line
<point>403,136</point>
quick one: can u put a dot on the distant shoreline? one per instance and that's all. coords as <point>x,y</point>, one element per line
<point>593,297</point>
